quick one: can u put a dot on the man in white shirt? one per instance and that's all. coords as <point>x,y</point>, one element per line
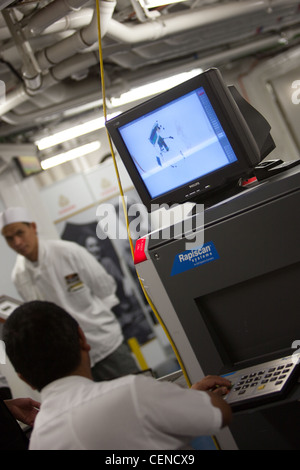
<point>49,351</point>
<point>66,274</point>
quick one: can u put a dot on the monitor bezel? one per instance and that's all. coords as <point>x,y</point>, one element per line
<point>232,121</point>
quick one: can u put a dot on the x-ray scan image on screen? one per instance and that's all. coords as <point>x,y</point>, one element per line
<point>174,143</point>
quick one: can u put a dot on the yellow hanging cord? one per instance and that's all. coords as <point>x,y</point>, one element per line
<point>123,199</point>
<point>105,118</point>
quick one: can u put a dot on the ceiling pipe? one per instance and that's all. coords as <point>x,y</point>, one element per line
<point>183,21</point>
<point>73,21</point>
<point>15,98</point>
<point>51,13</point>
<point>79,41</point>
<point>149,31</point>
<point>4,34</point>
<point>204,62</point>
<point>58,73</point>
<point>67,48</point>
<point>76,96</point>
<point>74,65</point>
<point>11,55</point>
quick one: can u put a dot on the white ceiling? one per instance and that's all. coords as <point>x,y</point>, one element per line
<point>49,51</point>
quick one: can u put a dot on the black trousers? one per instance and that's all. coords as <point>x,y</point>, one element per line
<point>117,364</point>
<point>11,435</point>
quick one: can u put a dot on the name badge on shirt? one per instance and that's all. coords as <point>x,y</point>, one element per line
<point>73,282</point>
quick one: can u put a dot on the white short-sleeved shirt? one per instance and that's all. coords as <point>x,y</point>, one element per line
<point>68,275</point>
<point>133,413</point>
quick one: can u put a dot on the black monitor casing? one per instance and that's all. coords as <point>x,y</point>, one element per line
<point>250,141</point>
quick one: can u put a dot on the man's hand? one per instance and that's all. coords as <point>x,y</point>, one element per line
<point>216,387</point>
<point>213,383</point>
<point>23,409</point>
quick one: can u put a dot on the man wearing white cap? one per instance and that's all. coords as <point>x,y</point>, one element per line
<point>66,274</point>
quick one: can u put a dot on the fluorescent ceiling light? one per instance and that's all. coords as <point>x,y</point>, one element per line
<point>153,88</point>
<point>73,132</point>
<point>70,155</point>
<point>83,108</point>
<point>158,3</point>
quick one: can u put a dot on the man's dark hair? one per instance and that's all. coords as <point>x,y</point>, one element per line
<point>42,342</point>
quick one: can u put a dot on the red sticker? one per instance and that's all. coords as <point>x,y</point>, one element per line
<point>139,252</point>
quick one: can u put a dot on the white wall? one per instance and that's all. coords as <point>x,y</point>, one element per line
<point>267,85</point>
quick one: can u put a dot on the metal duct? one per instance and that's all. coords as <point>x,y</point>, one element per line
<point>183,21</point>
<point>79,41</point>
<point>51,13</point>
<point>166,25</point>
<point>60,52</point>
<point>5,3</point>
<point>204,61</point>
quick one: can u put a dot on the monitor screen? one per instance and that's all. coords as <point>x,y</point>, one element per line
<point>167,148</point>
<point>185,143</point>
